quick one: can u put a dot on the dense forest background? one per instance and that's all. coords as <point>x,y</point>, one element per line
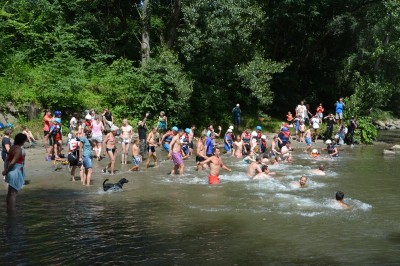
<point>195,59</point>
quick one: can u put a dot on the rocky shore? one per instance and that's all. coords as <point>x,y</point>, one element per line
<point>388,124</point>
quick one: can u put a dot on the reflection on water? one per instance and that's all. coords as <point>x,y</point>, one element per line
<point>163,219</point>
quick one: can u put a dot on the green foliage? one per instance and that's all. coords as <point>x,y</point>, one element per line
<point>257,75</point>
<point>368,95</point>
<point>366,131</point>
<point>75,55</point>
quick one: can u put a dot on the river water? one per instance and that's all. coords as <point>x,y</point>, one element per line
<point>160,219</point>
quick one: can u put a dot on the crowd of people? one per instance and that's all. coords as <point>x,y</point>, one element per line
<point>96,136</point>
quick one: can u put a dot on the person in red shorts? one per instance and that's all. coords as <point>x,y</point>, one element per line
<point>215,167</point>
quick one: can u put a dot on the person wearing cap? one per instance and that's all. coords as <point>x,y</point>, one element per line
<point>228,141</point>
<point>55,138</point>
<point>314,153</point>
<point>330,121</point>
<point>142,129</point>
<point>216,164</point>
<point>109,144</point>
<point>185,143</point>
<point>331,148</point>
<point>315,125</point>
<point>151,147</point>
<point>88,121</point>
<point>175,153</point>
<point>263,144</point>
<point>284,136</point>
<point>236,112</point>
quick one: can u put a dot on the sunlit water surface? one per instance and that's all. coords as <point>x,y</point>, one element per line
<point>160,219</point>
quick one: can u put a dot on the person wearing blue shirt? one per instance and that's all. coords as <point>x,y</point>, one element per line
<point>339,106</point>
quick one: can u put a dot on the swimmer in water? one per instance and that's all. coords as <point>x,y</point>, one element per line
<point>339,199</point>
<point>319,171</point>
<point>302,183</point>
<point>265,174</point>
<point>254,168</point>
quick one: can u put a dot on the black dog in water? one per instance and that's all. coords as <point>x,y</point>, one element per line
<point>116,186</point>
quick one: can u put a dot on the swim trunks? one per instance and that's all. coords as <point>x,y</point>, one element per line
<point>212,179</point>
<point>308,141</point>
<point>199,159</point>
<point>177,158</point>
<point>136,160</point>
<point>112,150</point>
<point>151,149</point>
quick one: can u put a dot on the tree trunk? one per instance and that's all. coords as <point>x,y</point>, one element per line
<point>174,23</point>
<point>146,31</point>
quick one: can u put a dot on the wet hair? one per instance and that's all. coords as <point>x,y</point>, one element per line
<point>264,167</point>
<point>20,139</point>
<point>265,155</point>
<point>339,195</point>
<point>258,158</point>
<point>214,150</point>
<point>135,141</point>
<point>321,167</point>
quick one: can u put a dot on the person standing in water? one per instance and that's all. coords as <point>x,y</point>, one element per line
<point>85,156</point>
<point>215,167</point>
<point>175,153</point>
<point>110,147</point>
<point>162,122</point>
<point>142,129</point>
<point>126,136</point>
<point>152,144</point>
<point>14,171</point>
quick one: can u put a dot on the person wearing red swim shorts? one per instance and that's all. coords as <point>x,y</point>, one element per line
<point>215,167</point>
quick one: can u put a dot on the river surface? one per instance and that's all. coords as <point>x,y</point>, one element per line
<point>160,219</point>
